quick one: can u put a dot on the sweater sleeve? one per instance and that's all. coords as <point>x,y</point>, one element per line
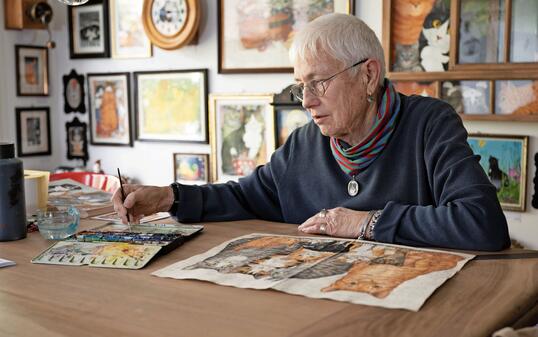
<point>254,196</point>
<point>466,213</point>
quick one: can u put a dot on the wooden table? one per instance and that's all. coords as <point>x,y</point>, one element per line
<point>49,300</point>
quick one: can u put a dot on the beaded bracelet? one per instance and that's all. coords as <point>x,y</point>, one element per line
<point>364,225</point>
<point>371,225</point>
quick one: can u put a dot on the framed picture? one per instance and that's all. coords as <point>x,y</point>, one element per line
<point>74,92</point>
<point>32,70</point>
<point>191,168</point>
<point>504,158</point>
<point>88,30</point>
<point>110,109</point>
<point>33,131</point>
<point>254,36</point>
<point>128,38</point>
<point>289,115</point>
<point>171,105</point>
<point>418,35</point>
<point>242,134</point>
<point>289,119</point>
<point>468,97</point>
<point>77,140</point>
<point>516,97</point>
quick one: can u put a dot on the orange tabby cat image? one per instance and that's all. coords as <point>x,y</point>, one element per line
<point>408,18</point>
<point>379,279</point>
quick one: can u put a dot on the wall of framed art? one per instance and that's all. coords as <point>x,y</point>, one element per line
<point>152,162</point>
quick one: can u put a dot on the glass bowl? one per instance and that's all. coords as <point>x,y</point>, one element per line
<point>57,224</point>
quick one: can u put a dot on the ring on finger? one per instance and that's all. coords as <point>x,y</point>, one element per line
<point>323,213</point>
<point>322,228</point>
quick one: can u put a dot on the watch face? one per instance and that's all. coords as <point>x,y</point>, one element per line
<point>169,16</point>
<point>73,93</point>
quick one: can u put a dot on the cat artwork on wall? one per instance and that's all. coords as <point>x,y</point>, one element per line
<point>407,21</point>
<point>517,97</point>
<point>426,89</point>
<point>451,93</point>
<point>435,39</point>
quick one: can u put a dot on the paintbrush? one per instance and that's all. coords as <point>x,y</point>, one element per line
<point>123,198</point>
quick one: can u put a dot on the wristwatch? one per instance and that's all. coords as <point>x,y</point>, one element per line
<point>175,204</point>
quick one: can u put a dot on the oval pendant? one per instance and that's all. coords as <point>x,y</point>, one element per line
<point>352,188</point>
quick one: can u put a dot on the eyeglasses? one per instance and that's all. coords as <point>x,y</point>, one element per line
<point>317,87</point>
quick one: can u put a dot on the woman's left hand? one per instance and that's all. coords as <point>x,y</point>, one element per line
<point>340,221</point>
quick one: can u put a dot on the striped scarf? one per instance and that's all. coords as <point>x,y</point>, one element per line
<point>355,159</point>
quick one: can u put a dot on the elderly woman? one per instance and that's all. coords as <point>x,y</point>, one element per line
<point>373,164</point>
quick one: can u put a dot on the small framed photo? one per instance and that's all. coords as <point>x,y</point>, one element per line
<point>88,30</point>
<point>77,140</point>
<point>110,109</point>
<point>74,92</point>
<point>191,168</point>
<point>128,38</point>
<point>32,70</point>
<point>242,134</point>
<point>255,36</point>
<point>504,159</point>
<point>171,105</point>
<point>33,131</point>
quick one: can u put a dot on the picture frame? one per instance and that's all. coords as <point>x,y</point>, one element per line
<point>255,37</point>
<point>77,140</point>
<point>516,97</point>
<point>110,109</point>
<point>128,39</point>
<point>191,168</point>
<point>242,134</point>
<point>289,115</point>
<point>74,92</point>
<point>470,97</point>
<point>420,88</point>
<point>504,159</point>
<point>33,131</point>
<point>32,70</point>
<point>171,105</point>
<point>89,30</point>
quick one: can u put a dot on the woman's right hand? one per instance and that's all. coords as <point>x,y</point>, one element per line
<point>141,200</point>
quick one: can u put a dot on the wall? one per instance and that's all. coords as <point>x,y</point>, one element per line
<point>151,163</point>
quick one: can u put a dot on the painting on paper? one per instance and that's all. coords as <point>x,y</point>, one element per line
<point>32,70</point>
<point>420,35</point>
<point>504,158</point>
<point>355,271</point>
<point>172,105</point>
<point>254,35</point>
<point>242,134</point>
<point>33,131</point>
<point>110,116</point>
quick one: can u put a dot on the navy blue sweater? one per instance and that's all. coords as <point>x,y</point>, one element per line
<point>430,186</point>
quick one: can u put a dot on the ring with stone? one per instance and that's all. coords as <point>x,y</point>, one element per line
<point>323,213</point>
<point>322,228</point>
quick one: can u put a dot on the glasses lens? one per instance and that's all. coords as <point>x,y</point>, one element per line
<point>297,91</point>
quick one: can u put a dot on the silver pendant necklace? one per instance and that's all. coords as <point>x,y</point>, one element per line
<point>353,187</point>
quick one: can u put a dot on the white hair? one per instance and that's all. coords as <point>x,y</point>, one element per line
<point>343,37</point>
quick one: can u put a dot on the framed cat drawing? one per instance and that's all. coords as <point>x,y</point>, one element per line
<point>418,38</point>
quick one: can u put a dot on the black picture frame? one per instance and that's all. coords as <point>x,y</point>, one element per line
<point>74,85</point>
<point>141,95</point>
<point>77,148</point>
<point>32,70</point>
<point>119,89</point>
<point>95,17</point>
<point>33,131</point>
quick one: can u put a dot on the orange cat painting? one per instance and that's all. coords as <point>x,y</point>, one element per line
<point>408,18</point>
